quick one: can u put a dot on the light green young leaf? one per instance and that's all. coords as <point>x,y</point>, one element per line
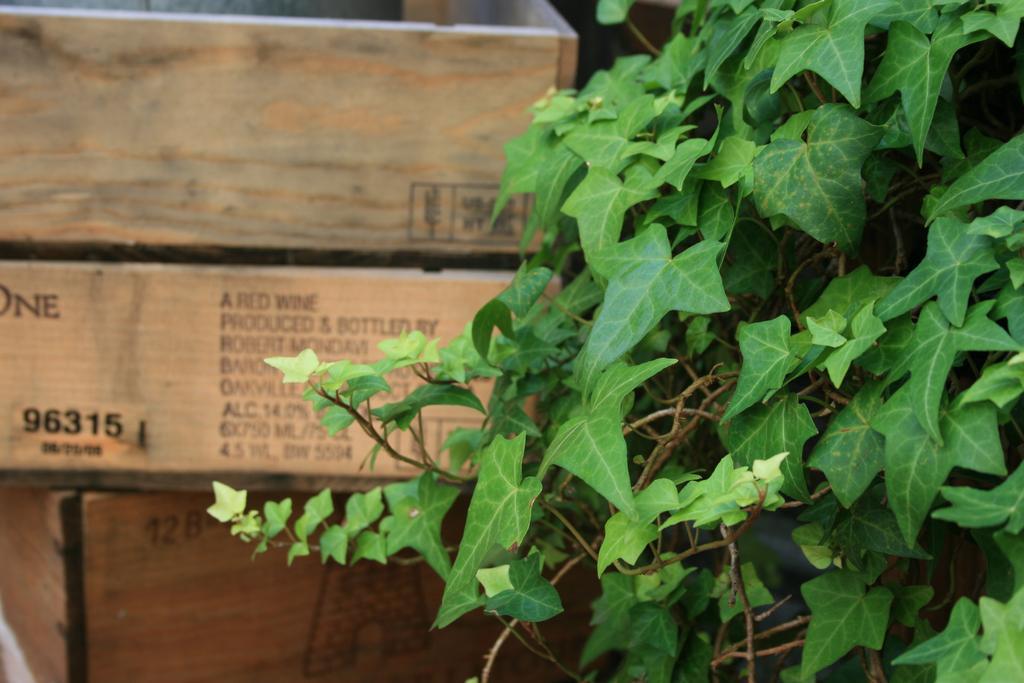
<point>494,580</point>
<point>865,328</point>
<point>227,502</point>
<point>362,510</point>
<point>296,369</point>
<point>370,546</point>
<point>645,283</point>
<point>499,515</point>
<point>625,535</point>
<point>333,544</point>
<point>827,330</point>
<point>765,349</point>
<point>955,258</point>
<point>844,614</point>
<point>834,50</point>
<point>316,509</point>
<point>817,184</point>
<point>297,549</point>
<point>276,516</point>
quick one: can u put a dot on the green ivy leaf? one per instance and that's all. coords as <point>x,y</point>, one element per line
<point>850,452</point>
<point>956,646</point>
<point>834,50</point>
<point>417,508</point>
<point>620,380</point>
<point>916,67</point>
<point>362,510</point>
<point>935,347</point>
<point>645,283</point>
<point>865,328</point>
<point>766,356</point>
<point>612,624</point>
<point>529,596</point>
<point>731,162</point>
<point>781,426</point>
<point>599,205</point>
<point>999,176</point>
<point>974,508</point>
<point>370,545</point>
<point>499,515</point>
<point>955,258</point>
<point>817,183</point>
<point>626,535</point>
<point>333,544</point>
<point>613,11</point>
<point>592,447</point>
<point>405,411</point>
<point>827,330</point>
<point>276,516</point>
<point>844,614</point>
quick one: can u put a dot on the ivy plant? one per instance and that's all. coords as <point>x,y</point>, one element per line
<point>776,272</point>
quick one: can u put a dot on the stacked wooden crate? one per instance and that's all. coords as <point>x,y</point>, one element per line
<point>128,137</point>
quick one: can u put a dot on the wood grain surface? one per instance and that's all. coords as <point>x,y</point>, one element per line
<point>34,580</point>
<point>266,132</point>
<point>170,597</point>
<point>141,375</point>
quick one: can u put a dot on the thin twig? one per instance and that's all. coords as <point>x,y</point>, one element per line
<point>740,590</point>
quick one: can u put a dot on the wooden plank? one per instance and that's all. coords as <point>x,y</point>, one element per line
<point>149,371</point>
<point>34,580</point>
<point>164,129</point>
<point>172,598</point>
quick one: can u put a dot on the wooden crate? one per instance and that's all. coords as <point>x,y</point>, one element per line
<point>152,375</point>
<point>157,128</point>
<point>165,595</point>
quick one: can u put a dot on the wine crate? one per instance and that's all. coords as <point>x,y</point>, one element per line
<point>124,126</point>
<point>147,588</point>
<point>152,376</point>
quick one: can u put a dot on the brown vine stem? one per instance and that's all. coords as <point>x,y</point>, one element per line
<point>372,432</point>
<point>570,527</point>
<point>814,496</point>
<point>734,650</point>
<point>641,38</point>
<point>767,652</point>
<point>492,654</point>
<point>740,590</point>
